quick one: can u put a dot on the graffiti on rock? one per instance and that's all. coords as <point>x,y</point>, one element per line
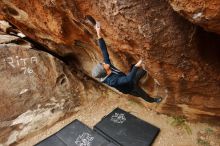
<point>25,64</point>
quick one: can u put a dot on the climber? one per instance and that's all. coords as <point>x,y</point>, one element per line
<point>110,75</point>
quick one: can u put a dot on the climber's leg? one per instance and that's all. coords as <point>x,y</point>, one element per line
<point>137,91</point>
<point>140,73</point>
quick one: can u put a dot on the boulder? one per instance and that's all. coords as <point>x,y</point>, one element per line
<point>36,90</point>
<point>181,58</point>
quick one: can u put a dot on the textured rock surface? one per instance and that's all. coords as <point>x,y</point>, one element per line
<point>36,90</point>
<point>205,13</point>
<point>182,59</point>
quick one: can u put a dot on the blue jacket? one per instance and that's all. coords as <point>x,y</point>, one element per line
<point>117,79</point>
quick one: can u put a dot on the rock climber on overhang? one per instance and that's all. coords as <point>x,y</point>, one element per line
<point>110,75</point>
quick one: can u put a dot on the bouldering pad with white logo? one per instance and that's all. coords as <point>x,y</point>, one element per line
<point>75,134</point>
<point>125,129</point>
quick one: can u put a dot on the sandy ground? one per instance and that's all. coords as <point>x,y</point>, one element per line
<point>202,133</point>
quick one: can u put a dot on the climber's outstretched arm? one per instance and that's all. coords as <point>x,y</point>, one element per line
<point>102,45</point>
<point>104,50</point>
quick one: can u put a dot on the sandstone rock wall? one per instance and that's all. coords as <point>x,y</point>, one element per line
<point>182,59</point>
<point>35,90</point>
<point>205,13</point>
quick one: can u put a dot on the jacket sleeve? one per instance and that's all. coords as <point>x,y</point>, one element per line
<point>104,50</point>
<point>128,78</point>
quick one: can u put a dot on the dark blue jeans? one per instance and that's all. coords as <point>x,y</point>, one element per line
<point>138,91</point>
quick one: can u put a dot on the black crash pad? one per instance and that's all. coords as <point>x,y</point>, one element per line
<point>75,134</point>
<point>124,129</point>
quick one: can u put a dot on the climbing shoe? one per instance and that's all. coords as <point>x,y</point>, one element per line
<point>158,99</point>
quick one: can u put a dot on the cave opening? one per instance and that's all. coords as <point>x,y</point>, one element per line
<point>209,47</point>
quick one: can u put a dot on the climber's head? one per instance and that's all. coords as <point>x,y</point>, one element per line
<point>100,70</point>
